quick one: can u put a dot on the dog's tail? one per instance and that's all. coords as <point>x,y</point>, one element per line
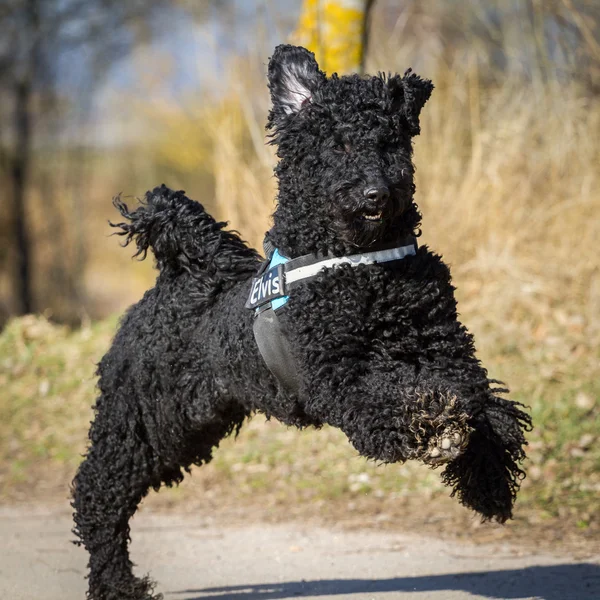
<point>183,236</point>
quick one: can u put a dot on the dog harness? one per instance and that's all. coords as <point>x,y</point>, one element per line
<point>270,290</point>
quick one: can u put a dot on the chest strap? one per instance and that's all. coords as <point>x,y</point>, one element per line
<point>280,274</point>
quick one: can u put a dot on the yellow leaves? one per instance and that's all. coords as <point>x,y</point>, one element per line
<point>333,30</point>
<point>183,149</point>
<point>187,133</point>
<point>220,142</point>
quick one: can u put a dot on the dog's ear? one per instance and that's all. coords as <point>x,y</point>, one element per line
<point>294,76</point>
<point>409,95</point>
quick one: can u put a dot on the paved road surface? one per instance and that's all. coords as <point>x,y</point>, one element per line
<point>193,559</point>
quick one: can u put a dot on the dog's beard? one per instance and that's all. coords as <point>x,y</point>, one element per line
<point>365,234</point>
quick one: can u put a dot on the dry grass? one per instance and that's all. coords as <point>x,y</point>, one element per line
<point>46,373</point>
<point>47,380</point>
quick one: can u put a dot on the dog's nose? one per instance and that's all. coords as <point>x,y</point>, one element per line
<point>378,195</point>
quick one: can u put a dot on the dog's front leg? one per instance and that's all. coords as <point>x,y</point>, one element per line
<point>480,436</point>
<point>486,476</point>
<point>389,418</point>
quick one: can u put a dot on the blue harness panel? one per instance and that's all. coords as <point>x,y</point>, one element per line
<point>277,259</point>
<point>269,288</point>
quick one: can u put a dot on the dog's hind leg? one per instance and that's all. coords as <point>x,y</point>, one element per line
<point>121,466</point>
<point>119,469</point>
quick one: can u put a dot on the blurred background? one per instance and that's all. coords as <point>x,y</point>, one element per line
<point>99,97</point>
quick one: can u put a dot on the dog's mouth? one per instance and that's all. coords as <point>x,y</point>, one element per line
<point>376,217</point>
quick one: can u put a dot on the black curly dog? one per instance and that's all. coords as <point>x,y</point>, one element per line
<point>377,348</point>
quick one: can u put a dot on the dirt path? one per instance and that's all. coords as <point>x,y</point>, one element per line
<point>194,559</point>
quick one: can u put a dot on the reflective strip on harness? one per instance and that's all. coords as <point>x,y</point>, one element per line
<point>368,258</point>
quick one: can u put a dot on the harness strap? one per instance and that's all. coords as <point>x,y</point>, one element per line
<point>280,274</point>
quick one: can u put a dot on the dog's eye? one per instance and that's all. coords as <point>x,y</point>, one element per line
<point>342,147</point>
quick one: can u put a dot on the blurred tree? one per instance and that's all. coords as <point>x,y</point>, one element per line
<point>336,31</point>
<point>37,36</point>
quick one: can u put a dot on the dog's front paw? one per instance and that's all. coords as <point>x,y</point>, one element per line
<point>446,446</point>
<point>440,427</point>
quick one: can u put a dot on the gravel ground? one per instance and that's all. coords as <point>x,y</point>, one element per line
<point>193,558</point>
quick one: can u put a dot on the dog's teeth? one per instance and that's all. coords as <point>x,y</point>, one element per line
<point>446,444</point>
<point>435,453</point>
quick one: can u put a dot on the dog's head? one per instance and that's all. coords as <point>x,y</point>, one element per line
<point>345,148</point>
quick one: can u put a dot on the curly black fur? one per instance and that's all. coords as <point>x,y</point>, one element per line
<point>379,349</point>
